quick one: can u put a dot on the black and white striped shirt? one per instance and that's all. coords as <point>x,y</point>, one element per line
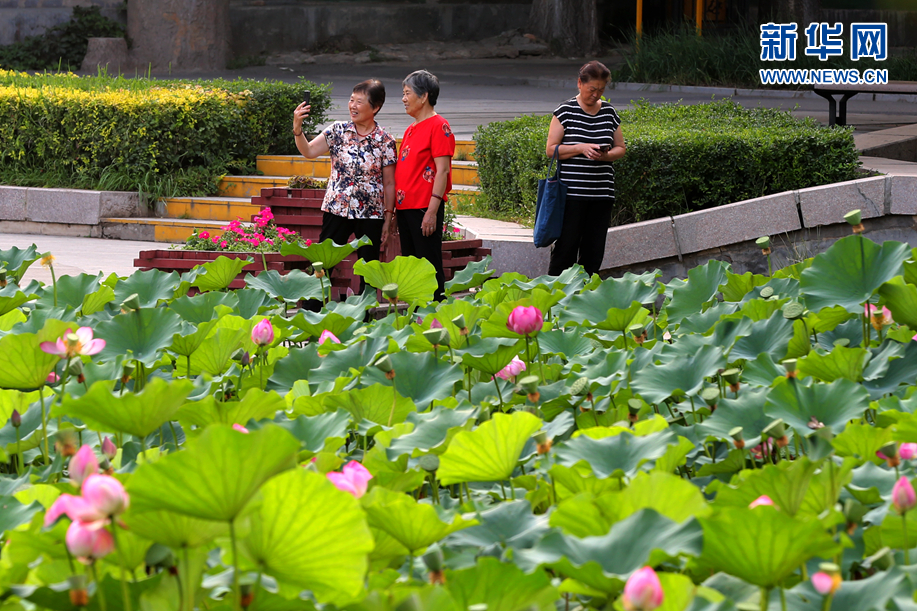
<point>587,178</point>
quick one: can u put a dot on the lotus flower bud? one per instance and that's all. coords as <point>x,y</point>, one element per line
<point>241,429</point>
<point>246,359</point>
<point>643,591</point>
<point>390,292</point>
<point>263,333</point>
<point>903,496</point>
<point>435,324</point>
<point>82,465</point>
<point>907,451</point>
<point>16,419</point>
<point>429,463</point>
<point>105,494</point>
<point>737,439</point>
<point>761,500</point>
<point>87,543</point>
<point>353,478</point>
<point>525,320</point>
<point>512,369</point>
<point>328,336</point>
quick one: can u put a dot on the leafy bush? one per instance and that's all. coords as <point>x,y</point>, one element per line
<point>63,45</point>
<point>167,137</point>
<point>679,158</point>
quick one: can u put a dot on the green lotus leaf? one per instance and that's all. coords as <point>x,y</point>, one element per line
<point>849,272</point>
<point>376,403</point>
<point>871,484</point>
<point>309,534</point>
<point>797,402</point>
<point>295,366</point>
<point>185,345</point>
<point>490,354</point>
<point>215,476</point>
<point>175,530</point>
<point>71,290</point>
<point>217,274</point>
<point>862,441</point>
<point>11,297</point>
<point>510,525</point>
<point>15,514</point>
<point>290,288</point>
<point>18,260</point>
<point>150,287</point>
<point>416,278</point>
<point>214,355</point>
<point>733,537</point>
<point>255,405</point>
<point>566,344</point>
<point>841,362</point>
<point>30,433</point>
<point>786,484</point>
<point>327,252</point>
<point>431,431</point>
<point>413,525</point>
<point>15,400</point>
<point>502,587</point>
<point>490,452</point>
<point>703,284</point>
<point>617,456</point>
<point>684,376</point>
<point>826,486</point>
<point>22,363</point>
<point>96,301</point>
<point>645,538</point>
<point>313,323</point>
<point>873,593</point>
<point>474,274</point>
<point>392,474</point>
<point>139,335</point>
<point>901,370</point>
<point>614,303</point>
<point>746,411</point>
<point>495,325</point>
<point>318,433</point>
<point>421,377</point>
<point>738,286</point>
<point>134,413</point>
<point>58,598</point>
<point>202,307</point>
<point>770,336</point>
<point>667,494</point>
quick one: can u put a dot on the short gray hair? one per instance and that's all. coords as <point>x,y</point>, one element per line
<point>421,82</point>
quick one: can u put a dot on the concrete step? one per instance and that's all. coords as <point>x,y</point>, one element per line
<point>463,172</point>
<point>211,208</point>
<point>250,186</point>
<point>150,229</point>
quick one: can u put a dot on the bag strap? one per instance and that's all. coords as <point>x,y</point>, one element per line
<point>555,159</point>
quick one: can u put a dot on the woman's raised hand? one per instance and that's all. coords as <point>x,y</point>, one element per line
<point>299,115</point>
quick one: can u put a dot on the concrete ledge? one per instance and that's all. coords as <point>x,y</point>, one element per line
<point>640,241</point>
<point>68,206</point>
<point>828,204</point>
<point>903,195</point>
<point>739,222</point>
<point>518,256</point>
<point>57,229</point>
<point>12,203</point>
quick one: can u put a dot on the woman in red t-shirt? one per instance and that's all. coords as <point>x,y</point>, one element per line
<point>423,174</point>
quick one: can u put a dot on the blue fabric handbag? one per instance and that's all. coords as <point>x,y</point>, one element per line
<point>549,207</point>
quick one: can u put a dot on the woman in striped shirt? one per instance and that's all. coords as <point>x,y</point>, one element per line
<point>587,131</point>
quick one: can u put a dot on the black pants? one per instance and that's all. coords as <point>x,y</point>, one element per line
<point>582,238</point>
<point>339,229</point>
<point>415,243</point>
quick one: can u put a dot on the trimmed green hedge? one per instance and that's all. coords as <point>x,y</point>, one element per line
<point>163,137</point>
<point>679,158</point>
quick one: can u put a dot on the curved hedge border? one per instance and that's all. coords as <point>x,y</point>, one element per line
<point>154,135</point>
<point>679,158</point>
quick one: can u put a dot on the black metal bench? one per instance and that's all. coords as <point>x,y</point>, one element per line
<point>837,109</point>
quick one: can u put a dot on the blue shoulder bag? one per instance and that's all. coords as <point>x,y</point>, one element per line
<point>549,207</point>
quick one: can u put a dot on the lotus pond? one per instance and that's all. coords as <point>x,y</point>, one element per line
<point>722,442</point>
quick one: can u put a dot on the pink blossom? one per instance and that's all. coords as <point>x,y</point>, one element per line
<point>109,449</point>
<point>643,591</point>
<point>215,239</point>
<point>204,235</point>
<point>903,496</point>
<point>353,478</point>
<point>240,428</point>
<point>436,324</point>
<point>73,344</point>
<point>907,451</point>
<point>761,500</point>
<point>52,378</point>
<point>82,465</point>
<point>74,507</point>
<point>223,244</point>
<point>308,242</point>
<point>263,333</point>
<point>512,369</point>
<point>825,583</point>
<point>883,316</point>
<point>327,336</point>
<point>106,494</point>
<point>525,320</point>
<point>88,543</point>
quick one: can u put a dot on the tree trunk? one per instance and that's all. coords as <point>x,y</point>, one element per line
<point>570,27</point>
<point>179,34</point>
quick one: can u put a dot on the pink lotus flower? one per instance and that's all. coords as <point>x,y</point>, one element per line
<point>826,584</point>
<point>82,465</point>
<point>353,478</point>
<point>52,378</point>
<point>903,497</point>
<point>879,316</point>
<point>73,344</point>
<point>76,508</point>
<point>240,428</point>
<point>525,320</point>
<point>88,543</point>
<point>907,451</point>
<point>328,336</point>
<point>109,449</point>
<point>512,369</point>
<point>263,333</point>
<point>436,324</point>
<point>761,500</point>
<point>106,494</point>
<point>204,235</point>
<point>642,592</point>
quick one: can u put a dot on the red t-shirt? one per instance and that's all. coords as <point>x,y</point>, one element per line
<point>415,169</point>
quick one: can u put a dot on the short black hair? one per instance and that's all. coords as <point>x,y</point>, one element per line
<point>421,82</point>
<point>594,71</point>
<point>374,91</point>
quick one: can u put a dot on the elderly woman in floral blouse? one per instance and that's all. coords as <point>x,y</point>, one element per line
<point>360,198</point>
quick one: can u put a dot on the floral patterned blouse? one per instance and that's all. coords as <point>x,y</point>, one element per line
<point>355,182</point>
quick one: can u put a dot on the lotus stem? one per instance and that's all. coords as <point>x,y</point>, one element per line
<point>187,590</point>
<point>503,488</point>
<point>499,394</point>
<point>236,592</point>
<point>44,423</point>
<point>540,360</point>
<point>826,602</point>
<point>391,415</point>
<point>53,282</point>
<point>103,605</point>
<point>19,464</point>
<point>782,599</point>
<point>765,595</point>
<point>907,543</point>
<point>125,595</point>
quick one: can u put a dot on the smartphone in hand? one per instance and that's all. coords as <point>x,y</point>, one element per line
<point>604,148</point>
<point>307,98</point>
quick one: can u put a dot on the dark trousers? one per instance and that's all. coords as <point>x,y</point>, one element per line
<point>415,243</point>
<point>339,229</point>
<point>582,238</point>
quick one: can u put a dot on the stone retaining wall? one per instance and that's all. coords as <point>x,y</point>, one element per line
<point>71,212</point>
<point>800,223</point>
